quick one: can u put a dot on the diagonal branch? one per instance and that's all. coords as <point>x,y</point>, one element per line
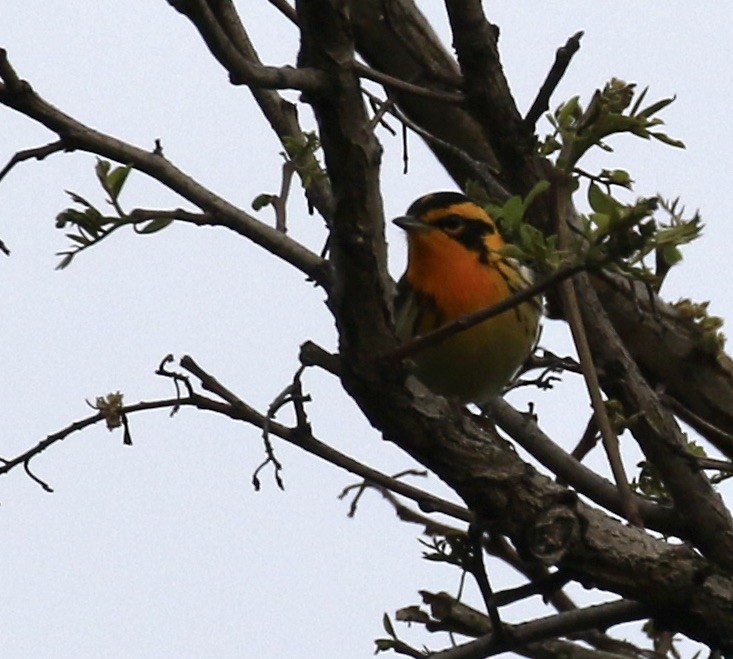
<point>561,624</point>
<point>708,523</point>
<point>562,61</point>
<point>39,153</point>
<point>19,96</point>
<point>243,71</point>
<point>580,338</point>
<point>222,30</point>
<point>585,481</point>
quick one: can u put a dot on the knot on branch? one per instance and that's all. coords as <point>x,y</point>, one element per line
<point>554,531</point>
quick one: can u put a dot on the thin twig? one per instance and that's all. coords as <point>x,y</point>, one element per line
<point>577,328</point>
<point>390,82</point>
<point>478,570</point>
<point>238,409</point>
<point>562,59</point>
<point>483,171</point>
<point>39,153</point>
<point>720,439</point>
<point>588,440</point>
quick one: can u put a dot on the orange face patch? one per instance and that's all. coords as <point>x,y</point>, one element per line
<point>452,274</point>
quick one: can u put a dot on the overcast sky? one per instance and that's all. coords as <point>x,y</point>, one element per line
<point>164,549</point>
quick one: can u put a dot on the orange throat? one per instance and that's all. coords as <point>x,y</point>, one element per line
<point>453,276</point>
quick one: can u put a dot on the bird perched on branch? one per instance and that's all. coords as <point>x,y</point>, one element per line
<point>455,268</point>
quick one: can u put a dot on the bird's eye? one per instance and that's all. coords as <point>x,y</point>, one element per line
<point>451,224</point>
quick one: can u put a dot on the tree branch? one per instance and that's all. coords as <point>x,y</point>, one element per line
<point>221,21</point>
<point>523,430</point>
<point>561,624</point>
<point>243,71</point>
<point>39,153</point>
<point>708,523</point>
<point>19,96</point>
<point>562,61</point>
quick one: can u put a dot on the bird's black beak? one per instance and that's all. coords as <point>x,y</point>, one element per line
<point>410,223</point>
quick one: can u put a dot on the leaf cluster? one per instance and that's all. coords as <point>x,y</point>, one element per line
<point>301,152</point>
<point>712,339</point>
<point>89,225</point>
<point>610,111</point>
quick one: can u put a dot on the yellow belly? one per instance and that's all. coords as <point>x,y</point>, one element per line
<point>475,364</point>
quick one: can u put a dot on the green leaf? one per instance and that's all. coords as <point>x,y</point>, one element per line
<point>513,252</point>
<point>656,107</point>
<point>383,645</point>
<point>669,140</point>
<point>79,199</point>
<point>538,189</point>
<point>569,111</point>
<point>102,169</point>
<point>600,201</point>
<point>513,210</point>
<point>671,255</point>
<point>262,200</point>
<point>116,179</point>
<point>82,240</point>
<point>155,225</point>
<point>601,220</point>
<point>67,258</point>
<point>618,177</point>
<point>639,101</point>
<point>387,624</point>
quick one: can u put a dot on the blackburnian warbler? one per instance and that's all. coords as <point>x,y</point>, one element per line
<point>454,268</point>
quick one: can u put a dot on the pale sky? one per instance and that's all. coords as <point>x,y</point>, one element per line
<point>163,549</point>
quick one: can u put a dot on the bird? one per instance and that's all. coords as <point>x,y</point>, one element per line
<point>454,268</point>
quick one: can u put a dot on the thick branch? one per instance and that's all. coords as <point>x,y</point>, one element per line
<point>528,435</point>
<point>708,523</point>
<point>487,90</point>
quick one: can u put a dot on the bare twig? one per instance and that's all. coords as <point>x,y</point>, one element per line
<point>482,170</point>
<point>588,440</point>
<point>720,439</point>
<point>390,82</point>
<point>39,153</point>
<point>577,328</point>
<point>238,409</point>
<point>478,570</point>
<point>6,465</point>
<point>562,60</point>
